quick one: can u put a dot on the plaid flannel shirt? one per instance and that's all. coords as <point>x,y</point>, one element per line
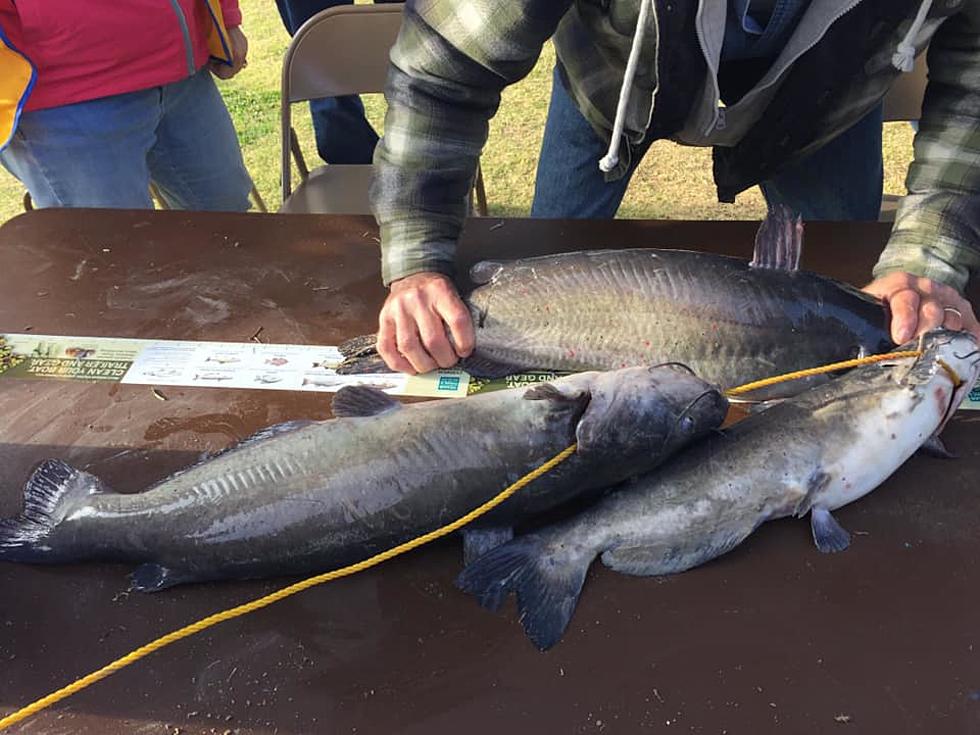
<point>454,57</point>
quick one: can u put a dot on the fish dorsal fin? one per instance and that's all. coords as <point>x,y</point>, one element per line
<point>274,430</point>
<point>779,241</point>
<point>484,271</point>
<point>362,400</point>
<point>260,435</point>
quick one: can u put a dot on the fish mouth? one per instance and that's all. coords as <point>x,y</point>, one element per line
<point>961,386</point>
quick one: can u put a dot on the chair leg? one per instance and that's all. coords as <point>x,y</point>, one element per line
<point>481,192</point>
<point>259,201</point>
<point>28,202</point>
<point>304,171</point>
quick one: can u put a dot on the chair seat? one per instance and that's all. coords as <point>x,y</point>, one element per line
<point>332,189</point>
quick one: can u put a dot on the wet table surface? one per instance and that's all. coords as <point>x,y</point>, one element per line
<point>773,637</point>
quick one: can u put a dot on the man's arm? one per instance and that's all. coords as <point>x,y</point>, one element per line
<point>935,244</point>
<point>451,62</point>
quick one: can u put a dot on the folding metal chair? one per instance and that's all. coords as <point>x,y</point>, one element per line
<point>339,51</point>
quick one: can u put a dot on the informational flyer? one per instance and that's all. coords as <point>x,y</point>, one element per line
<point>253,365</point>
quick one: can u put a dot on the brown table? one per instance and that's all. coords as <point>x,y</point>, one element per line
<point>773,637</point>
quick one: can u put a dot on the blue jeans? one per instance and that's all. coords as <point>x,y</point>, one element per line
<point>105,152</point>
<point>342,132</point>
<point>841,181</point>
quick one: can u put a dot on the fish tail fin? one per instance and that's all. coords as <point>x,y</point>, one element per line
<point>361,356</point>
<point>546,577</point>
<point>53,489</point>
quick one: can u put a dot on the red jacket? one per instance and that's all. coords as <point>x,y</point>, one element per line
<point>85,49</point>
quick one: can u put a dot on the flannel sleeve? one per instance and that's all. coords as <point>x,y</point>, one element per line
<point>448,68</point>
<point>937,227</point>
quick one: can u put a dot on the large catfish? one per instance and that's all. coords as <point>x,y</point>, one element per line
<point>730,320</point>
<point>308,496</point>
<point>813,453</point>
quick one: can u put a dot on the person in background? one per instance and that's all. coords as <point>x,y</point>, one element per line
<point>643,70</point>
<point>843,180</point>
<point>99,98</point>
<point>343,134</point>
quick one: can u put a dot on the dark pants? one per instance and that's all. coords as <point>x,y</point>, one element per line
<point>841,181</point>
<point>343,134</point>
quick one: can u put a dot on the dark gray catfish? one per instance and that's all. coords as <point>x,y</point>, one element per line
<point>813,453</point>
<point>309,496</point>
<point>730,320</point>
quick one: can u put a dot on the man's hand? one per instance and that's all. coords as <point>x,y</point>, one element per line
<point>239,54</point>
<point>412,326</point>
<point>920,304</point>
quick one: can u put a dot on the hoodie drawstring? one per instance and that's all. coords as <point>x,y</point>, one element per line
<point>611,159</point>
<point>904,57</point>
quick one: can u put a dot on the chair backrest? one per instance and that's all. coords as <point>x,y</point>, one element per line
<point>904,99</point>
<point>340,50</point>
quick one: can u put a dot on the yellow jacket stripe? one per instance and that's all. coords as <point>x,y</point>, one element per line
<point>218,43</point>
<point>16,81</point>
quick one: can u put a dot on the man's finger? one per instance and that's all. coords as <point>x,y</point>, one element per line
<point>904,306</point>
<point>457,318</point>
<point>433,334</point>
<point>931,315</point>
<point>387,346</point>
<point>408,342</point>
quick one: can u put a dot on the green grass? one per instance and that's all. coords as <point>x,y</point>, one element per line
<point>672,182</point>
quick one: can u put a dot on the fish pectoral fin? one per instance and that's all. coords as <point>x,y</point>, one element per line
<point>155,577</point>
<point>828,534</point>
<point>670,558</point>
<point>478,541</point>
<point>779,241</point>
<point>551,392</point>
<point>362,400</point>
<point>935,447</point>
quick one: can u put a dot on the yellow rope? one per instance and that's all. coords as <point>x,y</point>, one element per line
<point>360,566</point>
<point>833,367</point>
<point>278,595</point>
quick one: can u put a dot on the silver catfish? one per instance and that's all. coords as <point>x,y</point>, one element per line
<point>811,454</point>
<point>730,320</point>
<point>307,496</point>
